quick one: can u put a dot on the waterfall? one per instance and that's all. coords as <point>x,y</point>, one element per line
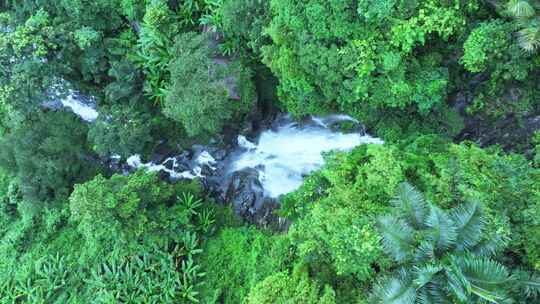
<point>285,154</point>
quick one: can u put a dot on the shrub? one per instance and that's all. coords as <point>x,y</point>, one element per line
<point>284,288</point>
<point>239,258</point>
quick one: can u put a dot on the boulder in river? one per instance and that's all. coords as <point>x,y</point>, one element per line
<point>246,194</point>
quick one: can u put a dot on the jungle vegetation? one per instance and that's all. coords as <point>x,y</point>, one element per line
<point>446,211</point>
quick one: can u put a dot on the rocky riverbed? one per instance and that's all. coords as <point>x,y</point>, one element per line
<point>256,167</point>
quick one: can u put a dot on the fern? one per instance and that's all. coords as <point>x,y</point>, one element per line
<point>526,15</point>
<point>457,283</point>
<point>486,277</point>
<point>488,246</point>
<point>520,8</point>
<point>433,293</point>
<point>424,252</point>
<point>529,37</point>
<point>425,274</point>
<point>452,261</point>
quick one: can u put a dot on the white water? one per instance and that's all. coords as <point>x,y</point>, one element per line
<point>203,159</point>
<point>86,112</point>
<point>285,155</point>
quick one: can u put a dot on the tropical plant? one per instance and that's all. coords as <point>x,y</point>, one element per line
<point>243,23</point>
<point>237,259</point>
<point>154,48</point>
<point>526,14</point>
<point>146,278</point>
<point>361,54</point>
<point>297,288</point>
<point>442,256</point>
<point>47,280</point>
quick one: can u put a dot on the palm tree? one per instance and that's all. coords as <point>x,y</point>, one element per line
<point>442,256</point>
<point>526,14</point>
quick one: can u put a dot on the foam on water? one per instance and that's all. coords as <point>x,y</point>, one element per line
<point>203,159</point>
<point>85,111</point>
<point>285,155</point>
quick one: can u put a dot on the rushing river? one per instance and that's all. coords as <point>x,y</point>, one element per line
<point>83,110</point>
<point>283,154</point>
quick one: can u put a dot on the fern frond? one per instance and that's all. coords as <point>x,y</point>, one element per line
<point>433,293</point>
<point>424,252</point>
<point>411,205</point>
<point>458,284</point>
<point>529,38</point>
<point>442,232</point>
<point>470,223</point>
<point>398,237</point>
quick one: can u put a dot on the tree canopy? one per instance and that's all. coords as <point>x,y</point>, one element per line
<point>446,210</point>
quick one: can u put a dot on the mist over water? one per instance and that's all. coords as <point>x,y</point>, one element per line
<point>285,154</point>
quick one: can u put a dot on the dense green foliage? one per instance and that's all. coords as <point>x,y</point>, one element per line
<point>142,250</point>
<point>203,91</point>
<point>48,153</point>
<point>238,259</point>
<point>435,215</point>
<point>122,131</point>
<point>361,54</point>
<point>359,186</point>
<point>525,12</point>
<point>282,288</point>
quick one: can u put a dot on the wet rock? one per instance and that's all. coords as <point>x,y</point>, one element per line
<point>220,154</point>
<point>213,187</point>
<point>461,100</point>
<point>53,104</point>
<point>246,194</point>
<point>178,163</point>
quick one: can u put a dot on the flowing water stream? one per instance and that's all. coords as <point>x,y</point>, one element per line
<point>285,154</point>
<point>282,154</point>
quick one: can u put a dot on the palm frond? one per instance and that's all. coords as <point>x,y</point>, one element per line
<point>398,289</point>
<point>529,38</point>
<point>470,223</point>
<point>411,204</point>
<point>526,283</point>
<point>487,278</point>
<point>398,237</point>
<point>488,246</point>
<point>458,285</point>
<point>442,232</point>
<point>433,293</point>
<point>520,8</point>
<point>424,252</point>
<point>425,274</point>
